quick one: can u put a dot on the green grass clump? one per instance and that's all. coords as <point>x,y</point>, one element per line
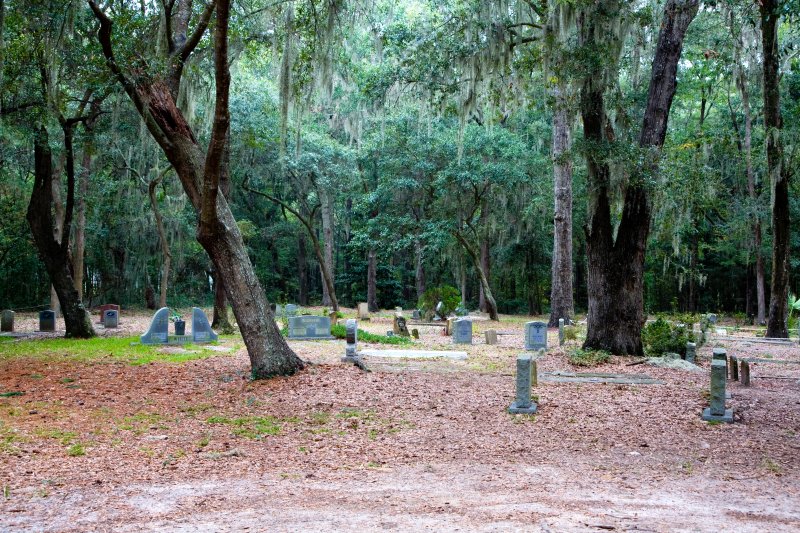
<point>76,450</point>
<point>340,332</point>
<point>126,349</point>
<point>251,427</point>
<point>581,357</point>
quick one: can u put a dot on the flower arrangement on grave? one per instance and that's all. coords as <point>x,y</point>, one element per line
<point>180,323</point>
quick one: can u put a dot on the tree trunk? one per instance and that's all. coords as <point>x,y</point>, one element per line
<point>302,271</point>
<point>220,320</point>
<point>79,251</point>
<point>419,271</point>
<point>55,254</point>
<point>561,300</point>
<point>779,177</point>
<point>372,281</point>
<point>217,232</point>
<point>491,305</point>
<point>162,238</point>
<point>326,212</point>
<point>58,228</point>
<point>616,265</point>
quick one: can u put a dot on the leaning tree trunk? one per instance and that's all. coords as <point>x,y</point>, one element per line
<point>561,299</point>
<point>372,281</point>
<point>220,320</point>
<point>615,282</point>
<point>777,325</point>
<point>79,251</point>
<point>162,238</point>
<point>491,305</point>
<point>218,232</point>
<point>326,212</point>
<point>54,254</point>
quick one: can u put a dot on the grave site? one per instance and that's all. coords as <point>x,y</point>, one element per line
<point>399,265</point>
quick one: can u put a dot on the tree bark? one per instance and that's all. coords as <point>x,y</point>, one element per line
<point>220,320</point>
<point>55,254</point>
<point>79,251</point>
<point>372,281</point>
<point>419,272</point>
<point>777,324</point>
<point>302,271</point>
<point>561,295</point>
<point>162,238</point>
<point>491,305</point>
<point>217,231</point>
<point>485,256</point>
<point>326,212</point>
<point>616,265</point>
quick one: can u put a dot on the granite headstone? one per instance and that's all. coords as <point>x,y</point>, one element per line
<point>158,333</point>
<point>535,336</point>
<point>462,331</point>
<point>201,329</point>
<point>523,403</point>
<point>309,327</point>
<point>7,320</point>
<point>47,320</point>
<point>110,318</point>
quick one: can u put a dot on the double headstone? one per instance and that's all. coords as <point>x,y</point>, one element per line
<point>717,412</point>
<point>399,326</point>
<point>309,327</point>
<point>491,336</point>
<point>106,307</point>
<point>462,331</point>
<point>526,368</point>
<point>351,339</point>
<point>535,336</point>
<point>158,333</point>
<point>47,320</point>
<point>363,311</point>
<point>691,352</point>
<point>7,320</point>
<point>110,318</point>
<point>201,329</point>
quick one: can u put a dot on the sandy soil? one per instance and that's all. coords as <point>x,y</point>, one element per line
<point>409,446</point>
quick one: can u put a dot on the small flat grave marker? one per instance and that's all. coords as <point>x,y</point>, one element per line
<point>47,320</point>
<point>309,327</point>
<point>106,307</point>
<point>535,336</point>
<point>415,354</point>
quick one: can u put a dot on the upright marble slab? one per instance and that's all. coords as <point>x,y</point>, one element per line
<point>523,403</point>
<point>158,333</point>
<point>462,331</point>
<point>363,311</point>
<point>716,412</point>
<point>110,318</point>
<point>535,336</point>
<point>7,321</point>
<point>201,329</point>
<point>351,340</point>
<point>106,307</point>
<point>47,320</point>
<point>309,327</point>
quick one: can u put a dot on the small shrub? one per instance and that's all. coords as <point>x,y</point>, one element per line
<point>570,333</point>
<point>581,357</point>
<point>340,332</point>
<point>449,296</point>
<point>660,337</point>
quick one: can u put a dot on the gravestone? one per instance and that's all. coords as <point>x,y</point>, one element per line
<point>309,327</point>
<point>734,368</point>
<point>491,336</point>
<point>398,309</point>
<point>448,329</point>
<point>399,326</point>
<point>201,329</point>
<point>47,320</point>
<point>363,311</point>
<point>390,333</point>
<point>291,310</point>
<point>110,318</point>
<point>438,311</point>
<point>691,352</point>
<point>535,336</point>
<point>525,369</point>
<point>415,333</point>
<point>720,354</point>
<point>159,328</point>
<point>717,412</point>
<point>278,311</point>
<point>351,340</point>
<point>415,314</point>
<point>561,332</point>
<point>462,331</point>
<point>7,320</point>
<point>745,372</point>
<point>106,307</point>
<point>712,318</point>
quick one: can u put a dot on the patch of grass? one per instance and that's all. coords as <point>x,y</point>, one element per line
<point>100,349</point>
<point>76,450</point>
<point>204,441</point>
<point>251,427</point>
<point>340,332</point>
<point>66,437</point>
<point>141,422</point>
<point>522,418</point>
<point>11,394</point>
<point>771,465</point>
<point>581,357</point>
<point>9,436</point>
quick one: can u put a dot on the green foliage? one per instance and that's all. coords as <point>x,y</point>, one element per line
<point>660,337</point>
<point>581,357</point>
<point>448,295</point>
<point>340,332</point>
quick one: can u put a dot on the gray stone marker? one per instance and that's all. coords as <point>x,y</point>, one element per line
<point>523,403</point>
<point>720,354</point>
<point>159,328</point>
<point>363,311</point>
<point>110,318</point>
<point>745,372</point>
<point>717,412</point>
<point>351,339</point>
<point>47,320</point>
<point>491,336</point>
<point>415,314</point>
<point>291,310</point>
<point>309,327</point>
<point>106,307</point>
<point>535,336</point>
<point>7,320</point>
<point>561,332</point>
<point>462,331</point>
<point>691,352</point>
<point>201,329</point>
<point>398,309</point>
<point>734,368</point>
<point>712,318</point>
<point>278,311</point>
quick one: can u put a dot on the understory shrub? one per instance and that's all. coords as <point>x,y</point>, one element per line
<point>448,295</point>
<point>581,357</point>
<point>661,337</point>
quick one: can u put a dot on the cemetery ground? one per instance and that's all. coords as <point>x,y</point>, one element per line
<point>103,435</point>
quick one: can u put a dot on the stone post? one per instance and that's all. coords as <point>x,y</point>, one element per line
<point>745,368</point>
<point>734,368</point>
<point>491,336</point>
<point>561,332</point>
<point>351,339</point>
<point>717,412</point>
<point>720,354</point>
<point>523,403</point>
<point>691,352</point>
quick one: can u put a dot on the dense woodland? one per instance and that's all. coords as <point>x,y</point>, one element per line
<point>364,150</point>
